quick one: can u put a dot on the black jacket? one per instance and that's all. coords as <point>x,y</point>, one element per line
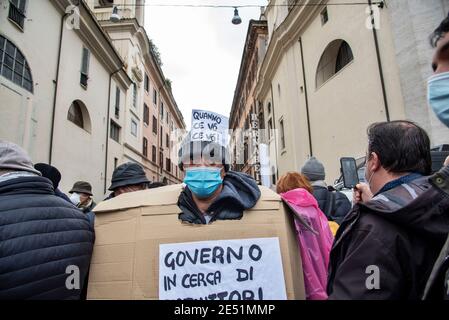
<point>240,192</point>
<point>437,287</point>
<point>41,235</point>
<point>400,232</point>
<point>335,205</point>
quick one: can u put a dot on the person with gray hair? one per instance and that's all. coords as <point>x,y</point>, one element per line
<point>42,235</point>
<point>335,205</point>
<point>212,191</point>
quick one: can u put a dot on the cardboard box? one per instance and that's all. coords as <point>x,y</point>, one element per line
<point>130,228</point>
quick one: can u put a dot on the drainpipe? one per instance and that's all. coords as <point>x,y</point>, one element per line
<point>56,81</point>
<point>306,98</point>
<point>107,129</point>
<point>379,61</point>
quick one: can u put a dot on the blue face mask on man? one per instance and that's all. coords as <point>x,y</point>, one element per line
<point>203,181</point>
<point>438,96</point>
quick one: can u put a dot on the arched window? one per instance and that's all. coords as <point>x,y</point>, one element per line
<point>336,56</point>
<point>14,65</point>
<point>79,115</point>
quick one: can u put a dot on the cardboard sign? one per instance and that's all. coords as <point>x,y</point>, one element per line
<point>131,228</point>
<point>209,126</point>
<point>249,269</point>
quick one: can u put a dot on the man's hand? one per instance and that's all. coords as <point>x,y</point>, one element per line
<point>362,193</point>
<point>446,163</point>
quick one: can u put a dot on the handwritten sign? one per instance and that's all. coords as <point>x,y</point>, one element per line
<point>249,269</point>
<point>209,126</point>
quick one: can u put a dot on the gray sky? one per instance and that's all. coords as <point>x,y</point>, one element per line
<point>201,50</point>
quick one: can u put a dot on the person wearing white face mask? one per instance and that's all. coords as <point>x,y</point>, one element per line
<point>389,230</point>
<point>81,196</point>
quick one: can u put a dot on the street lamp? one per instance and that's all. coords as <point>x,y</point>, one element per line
<point>236,19</point>
<point>115,17</point>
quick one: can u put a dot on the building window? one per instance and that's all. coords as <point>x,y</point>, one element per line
<point>115,163</point>
<point>162,112</point>
<point>324,16</point>
<point>281,125</point>
<point>14,66</point>
<point>117,102</point>
<point>167,140</point>
<point>134,128</point>
<point>154,125</point>
<point>115,133</point>
<point>135,95</point>
<point>168,164</point>
<point>162,137</point>
<point>161,160</point>
<point>145,147</point>
<point>75,114</point>
<point>85,60</point>
<point>146,114</point>
<point>153,154</point>
<point>155,97</point>
<point>147,83</point>
<point>336,56</point>
<point>17,12</point>
<point>270,128</point>
<point>245,153</point>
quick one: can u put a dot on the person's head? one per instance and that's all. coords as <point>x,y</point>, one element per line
<point>292,181</point>
<point>14,158</point>
<point>396,149</point>
<point>50,173</point>
<point>130,188</point>
<point>205,164</point>
<point>81,193</point>
<point>313,170</point>
<point>438,84</point>
<point>440,41</point>
<point>155,185</point>
<point>128,177</point>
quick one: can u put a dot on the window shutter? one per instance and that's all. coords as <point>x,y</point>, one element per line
<point>85,62</point>
<point>117,102</point>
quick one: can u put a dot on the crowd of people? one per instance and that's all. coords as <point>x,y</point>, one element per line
<point>390,242</point>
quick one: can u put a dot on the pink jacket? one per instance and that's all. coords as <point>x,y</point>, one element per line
<point>314,240</point>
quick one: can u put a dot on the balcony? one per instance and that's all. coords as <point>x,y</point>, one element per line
<point>16,15</point>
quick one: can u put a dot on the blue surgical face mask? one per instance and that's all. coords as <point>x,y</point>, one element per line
<point>203,181</point>
<point>438,96</point>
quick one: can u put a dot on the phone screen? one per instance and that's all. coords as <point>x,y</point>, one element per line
<point>349,171</point>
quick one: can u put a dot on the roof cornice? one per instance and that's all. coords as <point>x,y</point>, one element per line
<point>288,32</point>
<point>93,35</point>
<point>255,27</point>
